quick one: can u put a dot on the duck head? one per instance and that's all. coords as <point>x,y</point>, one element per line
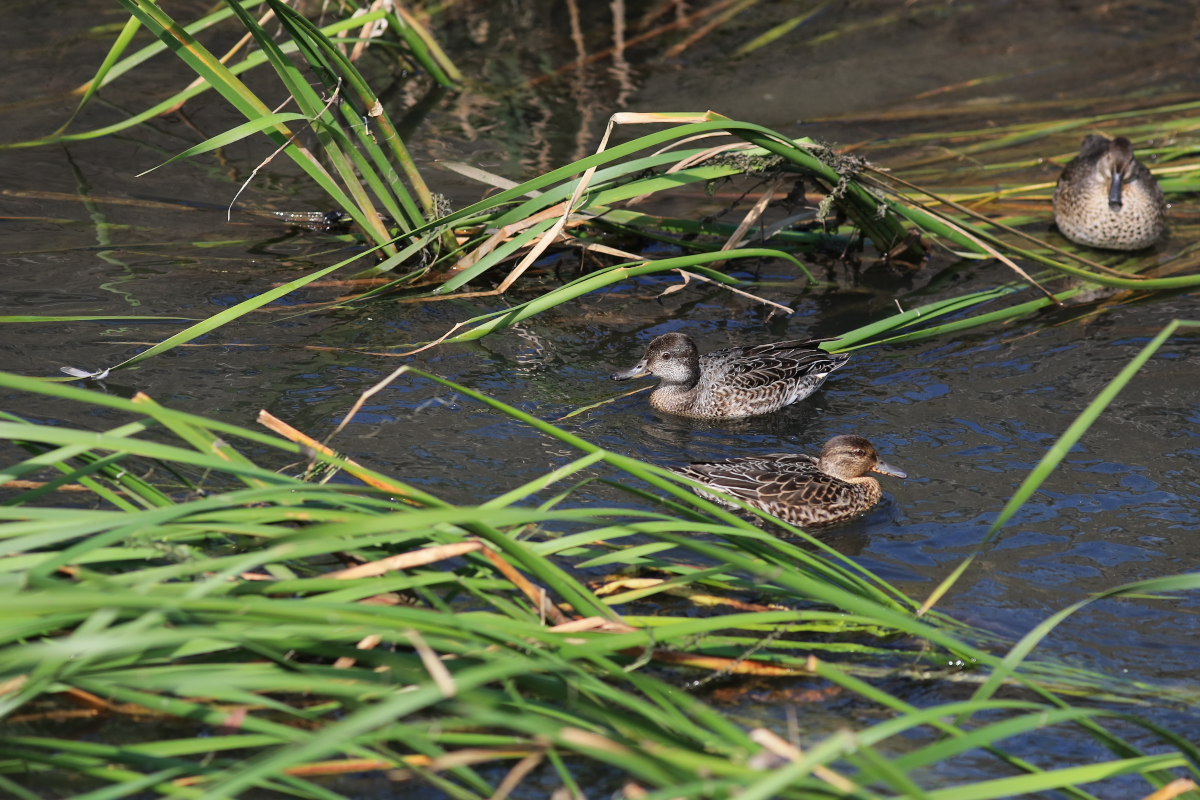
<point>672,357</point>
<point>850,456</point>
<point>1113,160</point>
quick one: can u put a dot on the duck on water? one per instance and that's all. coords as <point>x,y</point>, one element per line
<point>1106,198</point>
<point>733,383</point>
<point>799,489</point>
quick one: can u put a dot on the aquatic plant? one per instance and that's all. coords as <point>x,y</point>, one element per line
<point>266,631</point>
<point>232,623</point>
<point>347,144</point>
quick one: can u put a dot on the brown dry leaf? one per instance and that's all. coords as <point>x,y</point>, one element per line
<point>415,558</point>
<point>1172,789</point>
<point>790,752</point>
<point>738,666</point>
<point>593,741</point>
<point>593,624</point>
<point>274,423</point>
<point>623,584</point>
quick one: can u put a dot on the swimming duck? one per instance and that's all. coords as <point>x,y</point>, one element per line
<point>1107,198</point>
<point>799,489</point>
<point>727,384</point>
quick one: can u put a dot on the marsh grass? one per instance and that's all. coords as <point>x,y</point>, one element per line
<point>229,624</point>
<point>345,141</point>
<point>285,631</point>
<point>360,161</point>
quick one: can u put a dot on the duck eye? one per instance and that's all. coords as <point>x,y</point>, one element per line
<point>666,356</point>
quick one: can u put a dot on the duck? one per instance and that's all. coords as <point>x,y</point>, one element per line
<point>734,383</point>
<point>1106,198</point>
<point>799,489</point>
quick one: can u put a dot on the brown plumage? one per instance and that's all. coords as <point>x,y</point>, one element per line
<point>799,489</point>
<point>727,384</point>
<point>1107,198</point>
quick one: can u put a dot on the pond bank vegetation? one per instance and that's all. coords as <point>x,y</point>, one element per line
<point>267,623</point>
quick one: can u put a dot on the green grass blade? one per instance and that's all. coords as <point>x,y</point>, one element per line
<point>1059,450</point>
<point>232,135</point>
<point>228,315</point>
<point>119,45</point>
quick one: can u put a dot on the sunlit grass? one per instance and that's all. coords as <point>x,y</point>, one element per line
<point>427,251</point>
<point>231,625</point>
<point>321,628</point>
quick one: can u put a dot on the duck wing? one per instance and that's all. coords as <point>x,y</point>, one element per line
<point>742,477</point>
<point>790,486</point>
<point>768,376</point>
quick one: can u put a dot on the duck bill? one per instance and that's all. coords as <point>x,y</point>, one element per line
<point>636,371</point>
<point>1114,190</point>
<point>887,469</point>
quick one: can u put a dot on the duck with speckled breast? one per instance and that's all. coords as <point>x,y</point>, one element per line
<point>1106,198</point>
<point>799,489</point>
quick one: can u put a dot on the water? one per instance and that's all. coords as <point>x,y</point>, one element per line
<point>967,418</point>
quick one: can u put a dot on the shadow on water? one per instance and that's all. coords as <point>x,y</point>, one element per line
<point>966,418</point>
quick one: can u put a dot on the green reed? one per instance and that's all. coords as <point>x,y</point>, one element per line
<point>346,143</point>
<point>256,627</point>
<point>191,610</point>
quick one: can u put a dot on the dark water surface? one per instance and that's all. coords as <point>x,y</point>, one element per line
<point>967,416</point>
